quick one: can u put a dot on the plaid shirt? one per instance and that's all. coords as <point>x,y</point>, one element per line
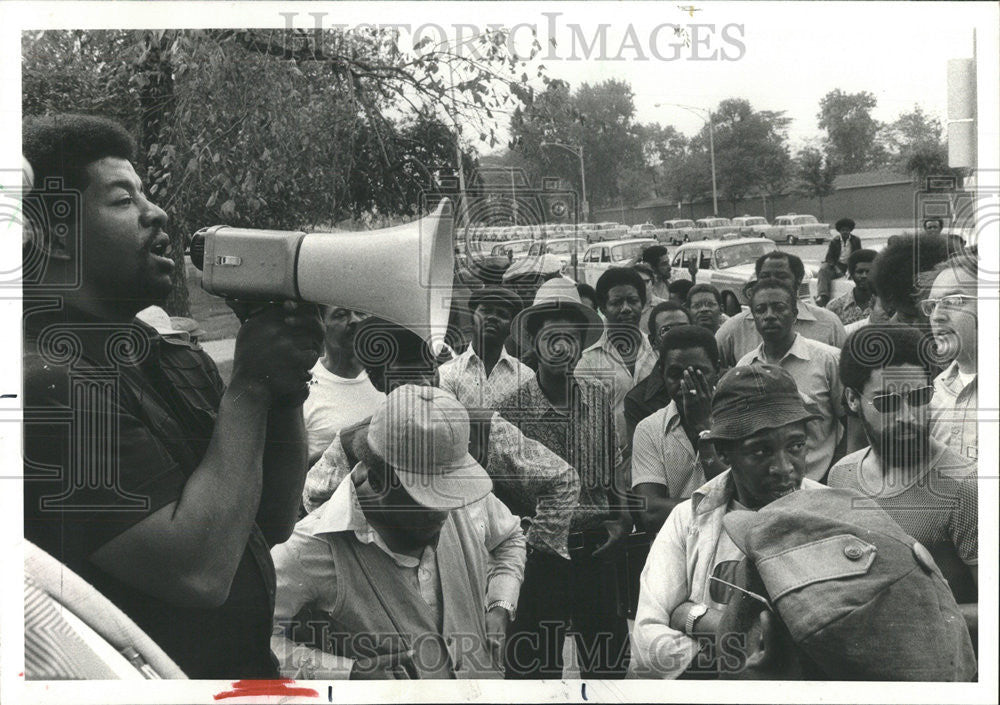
<point>847,309</point>
<point>583,436</point>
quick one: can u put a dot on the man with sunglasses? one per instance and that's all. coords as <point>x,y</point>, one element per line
<point>927,488</point>
<point>812,364</point>
<point>952,309</point>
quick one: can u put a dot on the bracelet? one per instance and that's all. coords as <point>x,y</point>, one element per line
<point>503,604</point>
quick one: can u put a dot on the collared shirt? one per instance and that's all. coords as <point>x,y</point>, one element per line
<point>603,363</point>
<point>465,377</point>
<point>814,367</point>
<point>582,435</point>
<point>954,412</point>
<point>651,303</point>
<point>847,309</point>
<point>662,454</point>
<point>661,289</point>
<point>307,575</point>
<point>521,466</point>
<point>738,336</point>
<point>644,399</point>
<point>846,248</point>
<point>691,547</point>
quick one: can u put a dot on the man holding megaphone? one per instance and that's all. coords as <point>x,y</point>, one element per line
<point>143,473</point>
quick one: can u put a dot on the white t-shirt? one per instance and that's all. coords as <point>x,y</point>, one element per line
<point>335,402</point>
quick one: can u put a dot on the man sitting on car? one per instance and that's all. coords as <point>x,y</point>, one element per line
<point>835,262</point>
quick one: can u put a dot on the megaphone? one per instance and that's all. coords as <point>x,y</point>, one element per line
<point>403,274</point>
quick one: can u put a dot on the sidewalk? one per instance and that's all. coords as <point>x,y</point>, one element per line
<point>222,352</point>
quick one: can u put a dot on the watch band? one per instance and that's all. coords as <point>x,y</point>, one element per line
<point>693,615</point>
<point>511,610</point>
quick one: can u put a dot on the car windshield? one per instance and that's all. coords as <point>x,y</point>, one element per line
<point>754,221</point>
<point>518,247</point>
<point>565,247</point>
<point>624,252</point>
<point>806,220</point>
<point>735,255</point>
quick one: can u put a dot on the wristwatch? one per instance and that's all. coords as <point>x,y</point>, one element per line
<point>694,614</point>
<point>503,604</point>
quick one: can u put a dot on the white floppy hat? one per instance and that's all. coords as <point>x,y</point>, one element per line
<point>423,433</point>
<point>558,294</point>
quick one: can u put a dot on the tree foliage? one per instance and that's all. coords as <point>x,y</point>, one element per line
<point>816,175</point>
<point>852,134</point>
<point>281,128</point>
<point>597,117</point>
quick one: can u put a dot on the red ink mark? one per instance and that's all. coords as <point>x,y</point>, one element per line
<point>243,689</point>
<point>21,674</point>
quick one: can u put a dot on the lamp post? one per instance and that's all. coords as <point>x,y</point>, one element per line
<point>711,145</point>
<point>578,151</point>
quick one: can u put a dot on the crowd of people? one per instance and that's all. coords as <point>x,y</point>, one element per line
<point>353,505</point>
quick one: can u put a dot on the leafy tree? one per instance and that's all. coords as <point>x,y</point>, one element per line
<point>279,128</point>
<point>750,149</point>
<point>816,175</point>
<point>597,117</point>
<point>852,134</point>
<point>918,147</point>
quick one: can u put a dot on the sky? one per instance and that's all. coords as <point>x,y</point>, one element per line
<point>792,55</point>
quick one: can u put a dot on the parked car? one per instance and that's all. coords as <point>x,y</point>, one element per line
<point>549,256</point>
<point>792,228</point>
<point>641,228</point>
<point>752,226</point>
<point>676,231</point>
<point>601,256</point>
<point>610,231</point>
<point>726,264</point>
<point>712,228</point>
<point>514,249</point>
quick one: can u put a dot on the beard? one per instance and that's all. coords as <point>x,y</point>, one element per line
<point>901,445</point>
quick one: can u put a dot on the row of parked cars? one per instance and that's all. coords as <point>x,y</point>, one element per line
<point>790,229</point>
<point>727,262</point>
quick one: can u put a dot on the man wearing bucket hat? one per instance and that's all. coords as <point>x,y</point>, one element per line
<point>486,371</point>
<point>573,418</point>
<point>404,558</point>
<point>833,589</point>
<point>759,430</point>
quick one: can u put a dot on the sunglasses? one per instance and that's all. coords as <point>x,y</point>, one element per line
<point>951,302</point>
<point>747,593</point>
<point>891,403</point>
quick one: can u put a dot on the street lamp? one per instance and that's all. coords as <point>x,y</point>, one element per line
<point>711,145</point>
<point>578,151</point>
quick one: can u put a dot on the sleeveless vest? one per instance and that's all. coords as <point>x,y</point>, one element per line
<point>379,611</point>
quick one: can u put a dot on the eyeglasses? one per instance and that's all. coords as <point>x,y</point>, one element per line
<point>891,403</point>
<point>951,302</point>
